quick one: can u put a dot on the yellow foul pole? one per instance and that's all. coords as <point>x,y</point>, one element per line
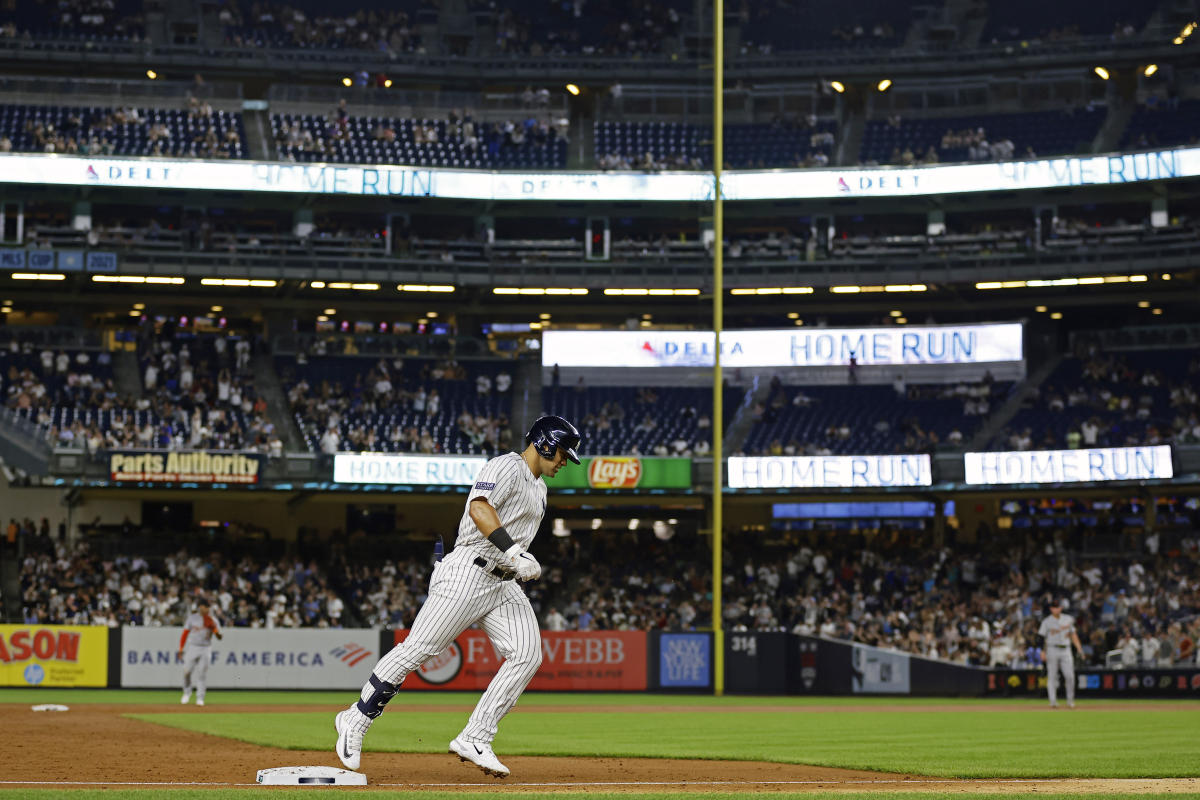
<point>718,426</point>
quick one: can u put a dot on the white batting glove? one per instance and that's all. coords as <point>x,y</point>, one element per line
<point>522,563</point>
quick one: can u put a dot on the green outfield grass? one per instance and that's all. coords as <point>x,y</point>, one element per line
<point>216,697</point>
<point>1015,744</point>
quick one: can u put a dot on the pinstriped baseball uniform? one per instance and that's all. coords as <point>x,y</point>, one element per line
<point>462,593</point>
<point>1057,631</point>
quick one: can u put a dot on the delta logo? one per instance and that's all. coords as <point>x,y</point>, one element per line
<point>350,653</point>
<point>615,473</point>
<point>92,175</point>
<point>44,645</point>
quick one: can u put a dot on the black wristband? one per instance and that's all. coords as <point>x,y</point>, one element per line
<point>501,539</point>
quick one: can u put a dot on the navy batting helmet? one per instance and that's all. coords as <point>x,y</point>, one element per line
<point>550,433</point>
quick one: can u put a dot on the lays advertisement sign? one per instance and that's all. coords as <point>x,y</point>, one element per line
<point>53,655</point>
<point>614,472</point>
<point>624,473</point>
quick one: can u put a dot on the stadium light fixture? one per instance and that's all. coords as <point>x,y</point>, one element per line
<point>361,287</point>
<point>322,318</point>
<point>152,279</point>
<point>257,282</point>
<point>901,320</point>
<point>544,315</point>
<point>151,74</point>
<point>6,310</point>
<point>217,309</point>
<point>431,314</point>
<point>651,292</point>
<point>1143,303</point>
<point>1166,276</point>
<point>896,313</point>
<point>135,313</point>
<point>1038,284</point>
<point>535,326</point>
<point>1156,312</point>
<point>330,311</point>
<point>1040,309</point>
<point>1177,40</point>
<point>837,86</point>
<point>1102,72</point>
<point>799,323</point>
<point>555,291</point>
<point>1150,70</point>
<point>1056,315</point>
<point>387,83</point>
<point>774,290</point>
<point>794,315</point>
<point>884,84</point>
<point>572,89</point>
<point>38,276</point>
<point>139,306</point>
<point>421,287</point>
<point>347,82</point>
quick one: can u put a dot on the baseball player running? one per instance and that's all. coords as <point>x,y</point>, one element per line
<point>195,650</point>
<point>474,584</point>
<point>1059,632</point>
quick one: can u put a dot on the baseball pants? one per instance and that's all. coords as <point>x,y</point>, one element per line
<point>462,594</point>
<point>1060,658</point>
<point>195,670</point>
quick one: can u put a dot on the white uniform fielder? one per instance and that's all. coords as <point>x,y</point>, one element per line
<point>197,654</point>
<point>1058,631</point>
<point>468,587</point>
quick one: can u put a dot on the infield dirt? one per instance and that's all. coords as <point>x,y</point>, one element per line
<point>96,745</point>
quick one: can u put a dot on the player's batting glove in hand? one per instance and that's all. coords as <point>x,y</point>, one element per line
<point>523,564</point>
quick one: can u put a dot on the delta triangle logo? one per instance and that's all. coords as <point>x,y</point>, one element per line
<point>92,175</point>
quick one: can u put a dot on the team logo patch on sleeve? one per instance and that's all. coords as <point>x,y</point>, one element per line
<point>485,486</point>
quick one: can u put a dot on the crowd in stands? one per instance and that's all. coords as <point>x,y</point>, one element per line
<point>71,585</point>
<point>861,419</point>
<point>458,140</point>
<point>419,406</point>
<point>196,394</point>
<point>261,24</point>
<point>587,27</point>
<point>888,586</point>
<point>975,607</point>
<point>200,394</point>
<point>97,20</point>
<point>196,131</point>
<point>1103,399</point>
<point>801,141</point>
<point>983,137</point>
<point>650,421</point>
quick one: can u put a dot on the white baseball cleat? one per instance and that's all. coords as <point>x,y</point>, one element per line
<point>183,701</point>
<point>199,702</point>
<point>480,755</point>
<point>349,741</point>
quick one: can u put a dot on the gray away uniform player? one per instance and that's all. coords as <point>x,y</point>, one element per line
<point>1059,632</point>
<point>474,584</point>
<point>195,650</point>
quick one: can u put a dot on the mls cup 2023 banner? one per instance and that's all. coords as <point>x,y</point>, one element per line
<point>571,661</point>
